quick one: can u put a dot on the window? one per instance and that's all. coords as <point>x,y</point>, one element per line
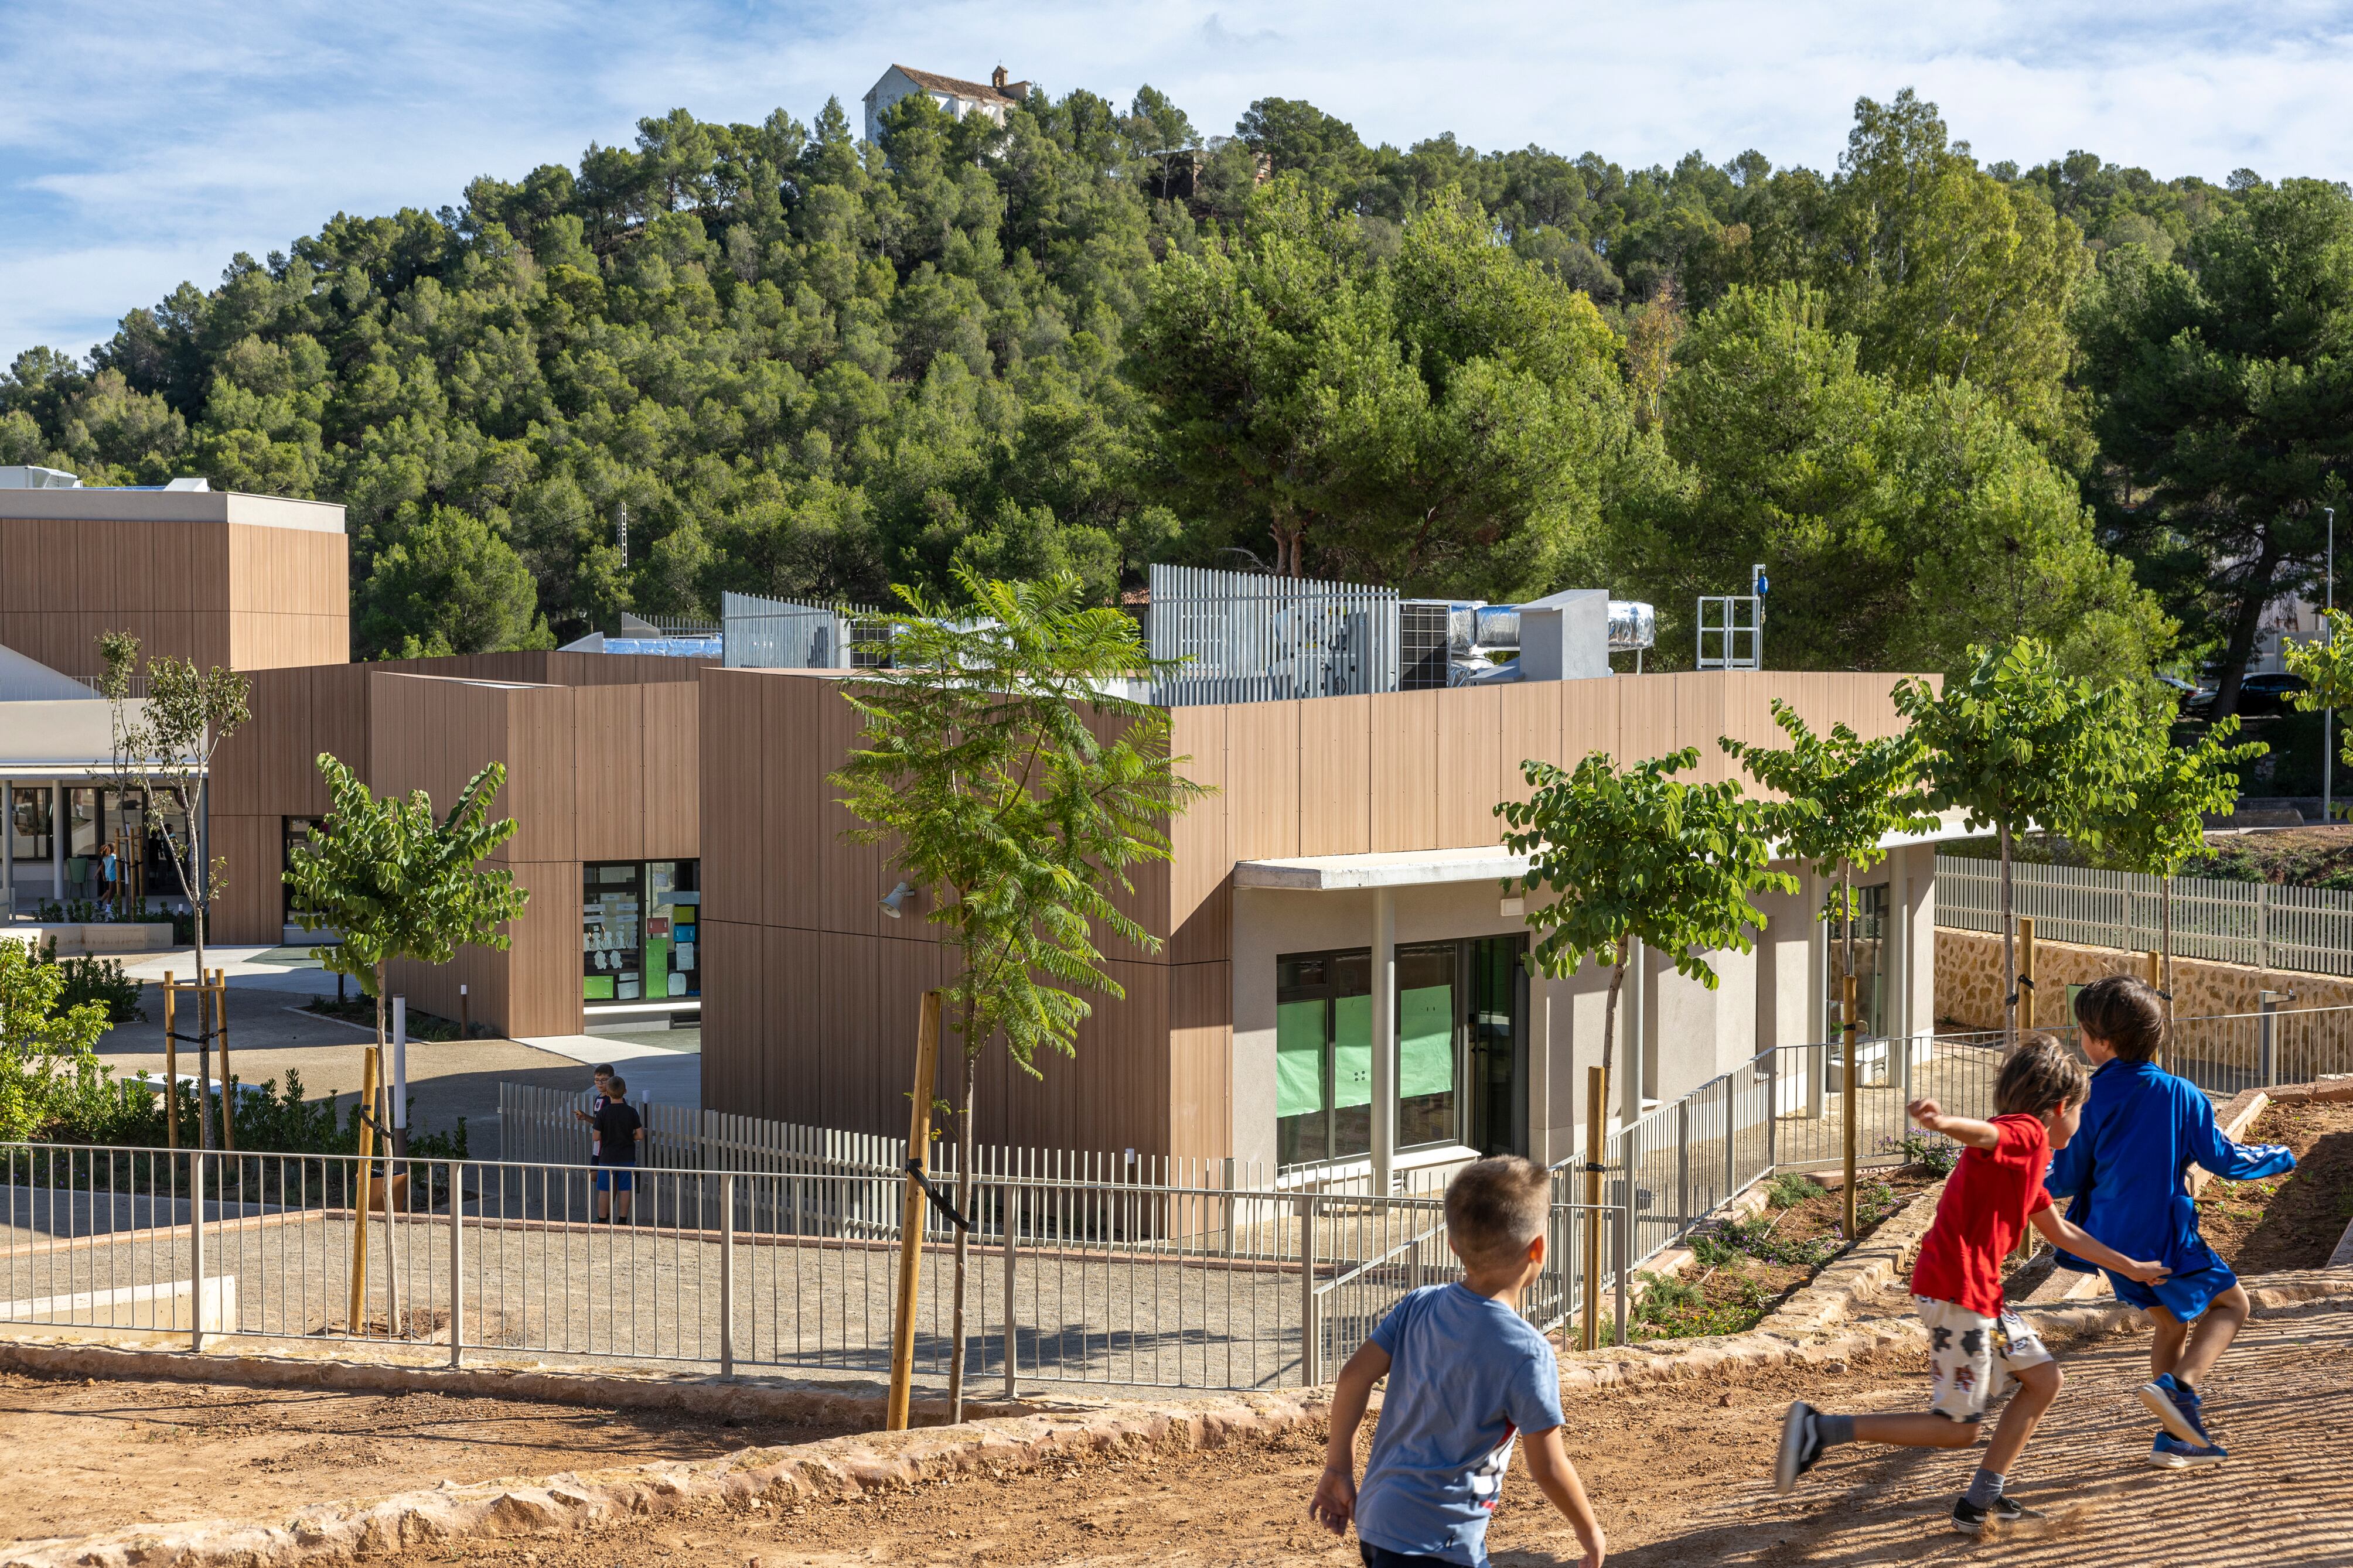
<point>639,932</point>
<point>1461,1009</point>
<point>29,830</point>
<point>297,831</point>
<point>1872,926</point>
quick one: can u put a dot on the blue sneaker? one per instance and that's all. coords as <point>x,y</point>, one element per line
<point>2170,1453</point>
<point>2179,1410</point>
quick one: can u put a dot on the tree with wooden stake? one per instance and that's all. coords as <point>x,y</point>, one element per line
<point>2172,789</point>
<point>1842,797</point>
<point>399,884</point>
<point>2016,743</point>
<point>163,747</point>
<point>1616,857</point>
<point>1017,789</point>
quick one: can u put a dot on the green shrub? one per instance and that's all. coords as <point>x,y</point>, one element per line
<point>1788,1190</point>
<point>98,980</point>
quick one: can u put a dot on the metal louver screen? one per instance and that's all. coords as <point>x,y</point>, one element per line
<point>1249,638</point>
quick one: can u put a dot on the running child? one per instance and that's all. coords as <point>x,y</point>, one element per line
<point>1994,1193</point>
<point>1468,1376</point>
<point>2143,1129</point>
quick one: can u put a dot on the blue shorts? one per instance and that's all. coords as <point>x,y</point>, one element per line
<point>2186,1296</point>
<point>615,1178</point>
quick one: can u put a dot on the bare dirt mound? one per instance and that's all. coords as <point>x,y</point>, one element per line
<point>1679,1472</point>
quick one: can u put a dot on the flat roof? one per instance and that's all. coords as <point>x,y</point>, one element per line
<point>92,503</point>
<point>1433,867</point>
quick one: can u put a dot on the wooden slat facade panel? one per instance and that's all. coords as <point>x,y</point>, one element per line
<point>543,792</point>
<point>250,900</point>
<point>792,790</point>
<point>1470,765</point>
<point>731,788</point>
<point>608,770</point>
<point>1531,728</point>
<point>1335,763</point>
<point>737,1055</point>
<point>1201,1059</point>
<point>1200,897</point>
<point>1405,770</point>
<point>1263,780</point>
<point>672,809</point>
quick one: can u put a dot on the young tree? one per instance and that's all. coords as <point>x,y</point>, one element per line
<point>2171,790</point>
<point>163,747</point>
<point>2015,744</point>
<point>1619,858</point>
<point>399,884</point>
<point>1844,794</point>
<point>1013,781</point>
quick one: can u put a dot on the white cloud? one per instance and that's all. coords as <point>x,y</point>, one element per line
<point>144,141</point>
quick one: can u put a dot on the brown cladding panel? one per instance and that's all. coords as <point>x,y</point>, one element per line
<point>1200,1060</point>
<point>1470,765</point>
<point>544,977</point>
<point>339,727</point>
<point>731,785</point>
<point>1405,770</point>
<point>543,783</point>
<point>850,878</point>
<point>1531,721</point>
<point>1335,791</point>
<point>673,799</point>
<point>791,787</point>
<point>735,1054</point>
<point>1200,896</point>
<point>1262,779</point>
<point>608,773</point>
<point>250,900</point>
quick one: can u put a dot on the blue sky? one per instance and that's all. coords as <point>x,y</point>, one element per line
<point>143,142</point>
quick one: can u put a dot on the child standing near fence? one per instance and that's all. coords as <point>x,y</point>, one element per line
<point>2143,1129</point>
<point>1994,1193</point>
<point>603,1074</point>
<point>1468,1376</point>
<point>619,1132</point>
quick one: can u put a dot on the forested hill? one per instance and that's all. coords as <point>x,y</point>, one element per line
<point>805,365</point>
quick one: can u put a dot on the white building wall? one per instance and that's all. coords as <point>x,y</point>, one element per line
<point>1773,997</point>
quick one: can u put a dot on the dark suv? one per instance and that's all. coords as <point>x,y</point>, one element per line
<point>2260,695</point>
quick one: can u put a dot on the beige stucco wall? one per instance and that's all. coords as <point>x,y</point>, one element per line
<point>1970,992</point>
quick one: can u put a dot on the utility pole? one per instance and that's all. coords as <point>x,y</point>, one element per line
<point>621,532</point>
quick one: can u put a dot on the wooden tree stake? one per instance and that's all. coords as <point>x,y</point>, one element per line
<point>1847,1098</point>
<point>171,1065</point>
<point>360,1207</point>
<point>228,1093</point>
<point>1597,1139</point>
<point>2025,975</point>
<point>911,1225</point>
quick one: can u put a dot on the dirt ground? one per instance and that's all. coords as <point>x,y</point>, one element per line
<point>85,1455</point>
<point>1679,1471</point>
<point>2292,1221</point>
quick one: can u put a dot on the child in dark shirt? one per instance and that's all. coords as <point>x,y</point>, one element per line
<point>1994,1193</point>
<point>619,1131</point>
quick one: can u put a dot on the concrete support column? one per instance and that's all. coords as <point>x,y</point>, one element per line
<point>57,842</point>
<point>1818,979</point>
<point>1385,1053</point>
<point>7,851</point>
<point>1539,1095</point>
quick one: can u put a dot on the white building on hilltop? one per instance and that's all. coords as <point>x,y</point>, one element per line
<point>991,97</point>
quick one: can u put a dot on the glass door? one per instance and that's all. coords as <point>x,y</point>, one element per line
<point>611,926</point>
<point>1495,1108</point>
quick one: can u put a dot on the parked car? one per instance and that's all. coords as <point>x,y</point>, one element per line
<point>2263,694</point>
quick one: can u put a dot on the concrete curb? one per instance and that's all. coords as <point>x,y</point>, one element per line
<point>750,1481</point>
<point>705,1397</point>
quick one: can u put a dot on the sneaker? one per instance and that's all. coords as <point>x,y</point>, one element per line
<point>1799,1446</point>
<point>1969,1518</point>
<point>2182,1411</point>
<point>2170,1453</point>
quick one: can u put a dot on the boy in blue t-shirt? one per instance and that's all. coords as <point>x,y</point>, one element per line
<point>2143,1129</point>
<point>1467,1377</point>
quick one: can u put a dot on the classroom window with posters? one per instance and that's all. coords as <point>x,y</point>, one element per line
<point>638,930</point>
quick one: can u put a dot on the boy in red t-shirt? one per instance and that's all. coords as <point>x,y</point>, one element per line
<point>1994,1193</point>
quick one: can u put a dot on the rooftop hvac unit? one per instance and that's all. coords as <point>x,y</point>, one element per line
<point>1633,625</point>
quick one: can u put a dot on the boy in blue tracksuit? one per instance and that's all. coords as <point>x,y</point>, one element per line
<point>2142,1129</point>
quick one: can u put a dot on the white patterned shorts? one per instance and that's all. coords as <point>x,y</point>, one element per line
<point>1971,1357</point>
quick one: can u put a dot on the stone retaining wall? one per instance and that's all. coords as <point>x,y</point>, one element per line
<point>1969,991</point>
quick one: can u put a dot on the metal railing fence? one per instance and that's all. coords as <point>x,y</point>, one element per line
<point>758,633</point>
<point>2309,929</point>
<point>1251,638</point>
<point>1102,1283</point>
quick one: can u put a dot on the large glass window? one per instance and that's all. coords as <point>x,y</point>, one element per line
<point>1872,926</point>
<point>639,932</point>
<point>1461,1044</point>
<point>30,810</point>
<point>84,833</point>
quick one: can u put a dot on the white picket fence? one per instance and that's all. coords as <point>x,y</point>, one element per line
<point>2309,929</point>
